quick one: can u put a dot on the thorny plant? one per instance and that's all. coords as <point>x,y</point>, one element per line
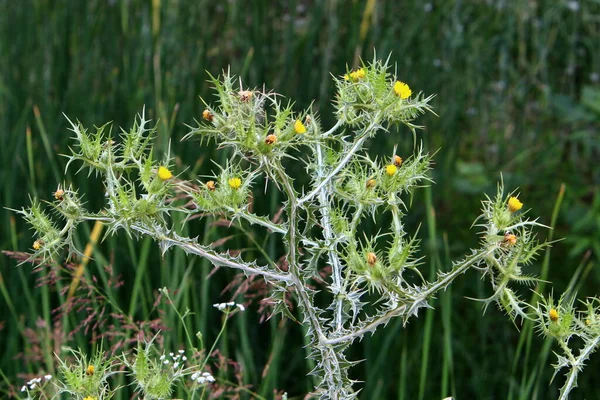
<point>373,278</point>
<point>154,376</point>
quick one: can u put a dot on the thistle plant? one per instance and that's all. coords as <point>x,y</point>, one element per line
<point>153,375</point>
<point>374,278</point>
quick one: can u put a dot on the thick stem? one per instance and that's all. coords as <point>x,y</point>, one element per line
<point>219,260</point>
<point>403,309</point>
<point>329,359</point>
<point>336,268</point>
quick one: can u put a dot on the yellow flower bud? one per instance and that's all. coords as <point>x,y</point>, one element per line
<point>37,244</point>
<point>356,75</point>
<point>90,370</point>
<point>371,183</point>
<point>553,315</point>
<point>234,183</point>
<point>391,170</point>
<point>164,174</point>
<point>210,185</point>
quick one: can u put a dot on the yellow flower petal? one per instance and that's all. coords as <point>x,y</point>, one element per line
<point>299,127</point>
<point>234,183</point>
<point>391,170</point>
<point>514,204</point>
<point>402,89</point>
<point>164,174</point>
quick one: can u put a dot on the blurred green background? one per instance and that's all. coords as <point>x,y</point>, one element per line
<point>518,93</point>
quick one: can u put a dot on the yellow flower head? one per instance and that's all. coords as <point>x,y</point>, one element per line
<point>402,89</point>
<point>234,183</point>
<point>514,204</point>
<point>164,174</point>
<point>90,370</point>
<point>210,185</point>
<point>299,127</point>
<point>356,75</point>
<point>371,183</point>
<point>37,244</point>
<point>89,398</point>
<point>553,315</point>
<point>391,170</point>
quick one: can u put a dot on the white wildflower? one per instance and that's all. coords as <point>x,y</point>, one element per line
<point>181,351</point>
<point>24,388</point>
<point>241,307</point>
<point>573,5</point>
<point>47,377</point>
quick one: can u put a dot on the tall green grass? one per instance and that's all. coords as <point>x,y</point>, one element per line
<point>507,76</point>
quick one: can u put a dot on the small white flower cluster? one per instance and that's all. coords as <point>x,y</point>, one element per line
<point>35,382</point>
<point>224,306</point>
<point>202,378</point>
<point>177,359</point>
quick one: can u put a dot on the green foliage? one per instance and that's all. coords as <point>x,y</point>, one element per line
<point>153,378</point>
<point>87,378</point>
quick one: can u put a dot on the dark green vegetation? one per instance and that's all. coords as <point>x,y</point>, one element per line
<point>518,92</point>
